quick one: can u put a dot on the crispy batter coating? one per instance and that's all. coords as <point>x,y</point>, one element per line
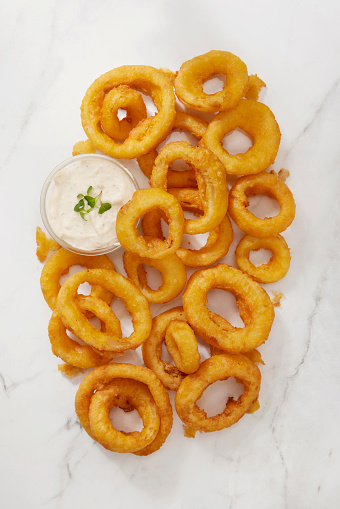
<point>256,120</point>
<point>93,414</point>
<point>266,184</point>
<point>68,370</point>
<point>219,239</point>
<point>255,85</point>
<point>181,343</point>
<point>218,367</point>
<point>142,201</point>
<point>276,300</point>
<point>149,132</point>
<point>193,73</point>
<point>270,272</point>
<point>135,303</point>
<point>83,147</point>
<point>82,355</point>
<point>44,245</point>
<point>211,179</point>
<point>186,178</point>
<point>60,262</point>
<point>170,375</point>
<point>172,269</point>
<point>255,306</point>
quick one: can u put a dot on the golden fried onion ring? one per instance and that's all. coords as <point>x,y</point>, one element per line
<point>216,247</point>
<point>269,185</point>
<point>59,264</point>
<point>193,73</point>
<point>150,131</point>
<point>173,273</point>
<point>82,355</point>
<point>186,178</point>
<point>218,367</point>
<point>270,272</point>
<point>142,201</point>
<point>211,179</point>
<point>170,375</point>
<point>257,120</point>
<point>135,303</point>
<point>219,239</point>
<point>108,376</point>
<point>126,394</point>
<point>122,97</point>
<point>181,343</point>
<point>255,306</point>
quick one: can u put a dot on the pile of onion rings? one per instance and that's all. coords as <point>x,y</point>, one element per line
<point>156,228</point>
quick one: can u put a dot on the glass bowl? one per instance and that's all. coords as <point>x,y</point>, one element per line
<point>117,166</point>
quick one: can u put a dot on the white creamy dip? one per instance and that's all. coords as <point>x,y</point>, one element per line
<point>98,231</point>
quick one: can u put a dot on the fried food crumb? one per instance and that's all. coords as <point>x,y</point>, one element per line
<point>189,432</point>
<point>255,406</point>
<point>44,245</point>
<point>282,175</point>
<point>255,85</point>
<point>254,356</point>
<point>83,147</point>
<point>69,370</point>
<point>276,300</point>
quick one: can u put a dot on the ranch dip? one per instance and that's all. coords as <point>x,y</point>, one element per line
<point>101,179</point>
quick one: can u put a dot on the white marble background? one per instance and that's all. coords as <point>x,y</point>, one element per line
<point>285,456</point>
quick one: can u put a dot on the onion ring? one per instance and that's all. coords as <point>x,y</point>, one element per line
<point>269,185</point>
<point>171,268</point>
<point>169,374</point>
<point>59,264</point>
<point>150,131</point>
<point>103,376</point>
<point>69,350</point>
<point>270,272</point>
<point>193,73</point>
<point>125,98</point>
<point>124,394</point>
<point>218,367</point>
<point>257,120</point>
<point>219,239</point>
<point>186,178</point>
<point>181,343</point>
<point>210,175</point>
<point>135,302</point>
<point>216,247</point>
<point>255,306</point>
<point>142,201</point>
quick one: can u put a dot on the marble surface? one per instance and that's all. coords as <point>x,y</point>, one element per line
<point>286,455</point>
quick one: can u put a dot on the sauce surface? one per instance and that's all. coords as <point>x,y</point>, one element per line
<point>98,231</point>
